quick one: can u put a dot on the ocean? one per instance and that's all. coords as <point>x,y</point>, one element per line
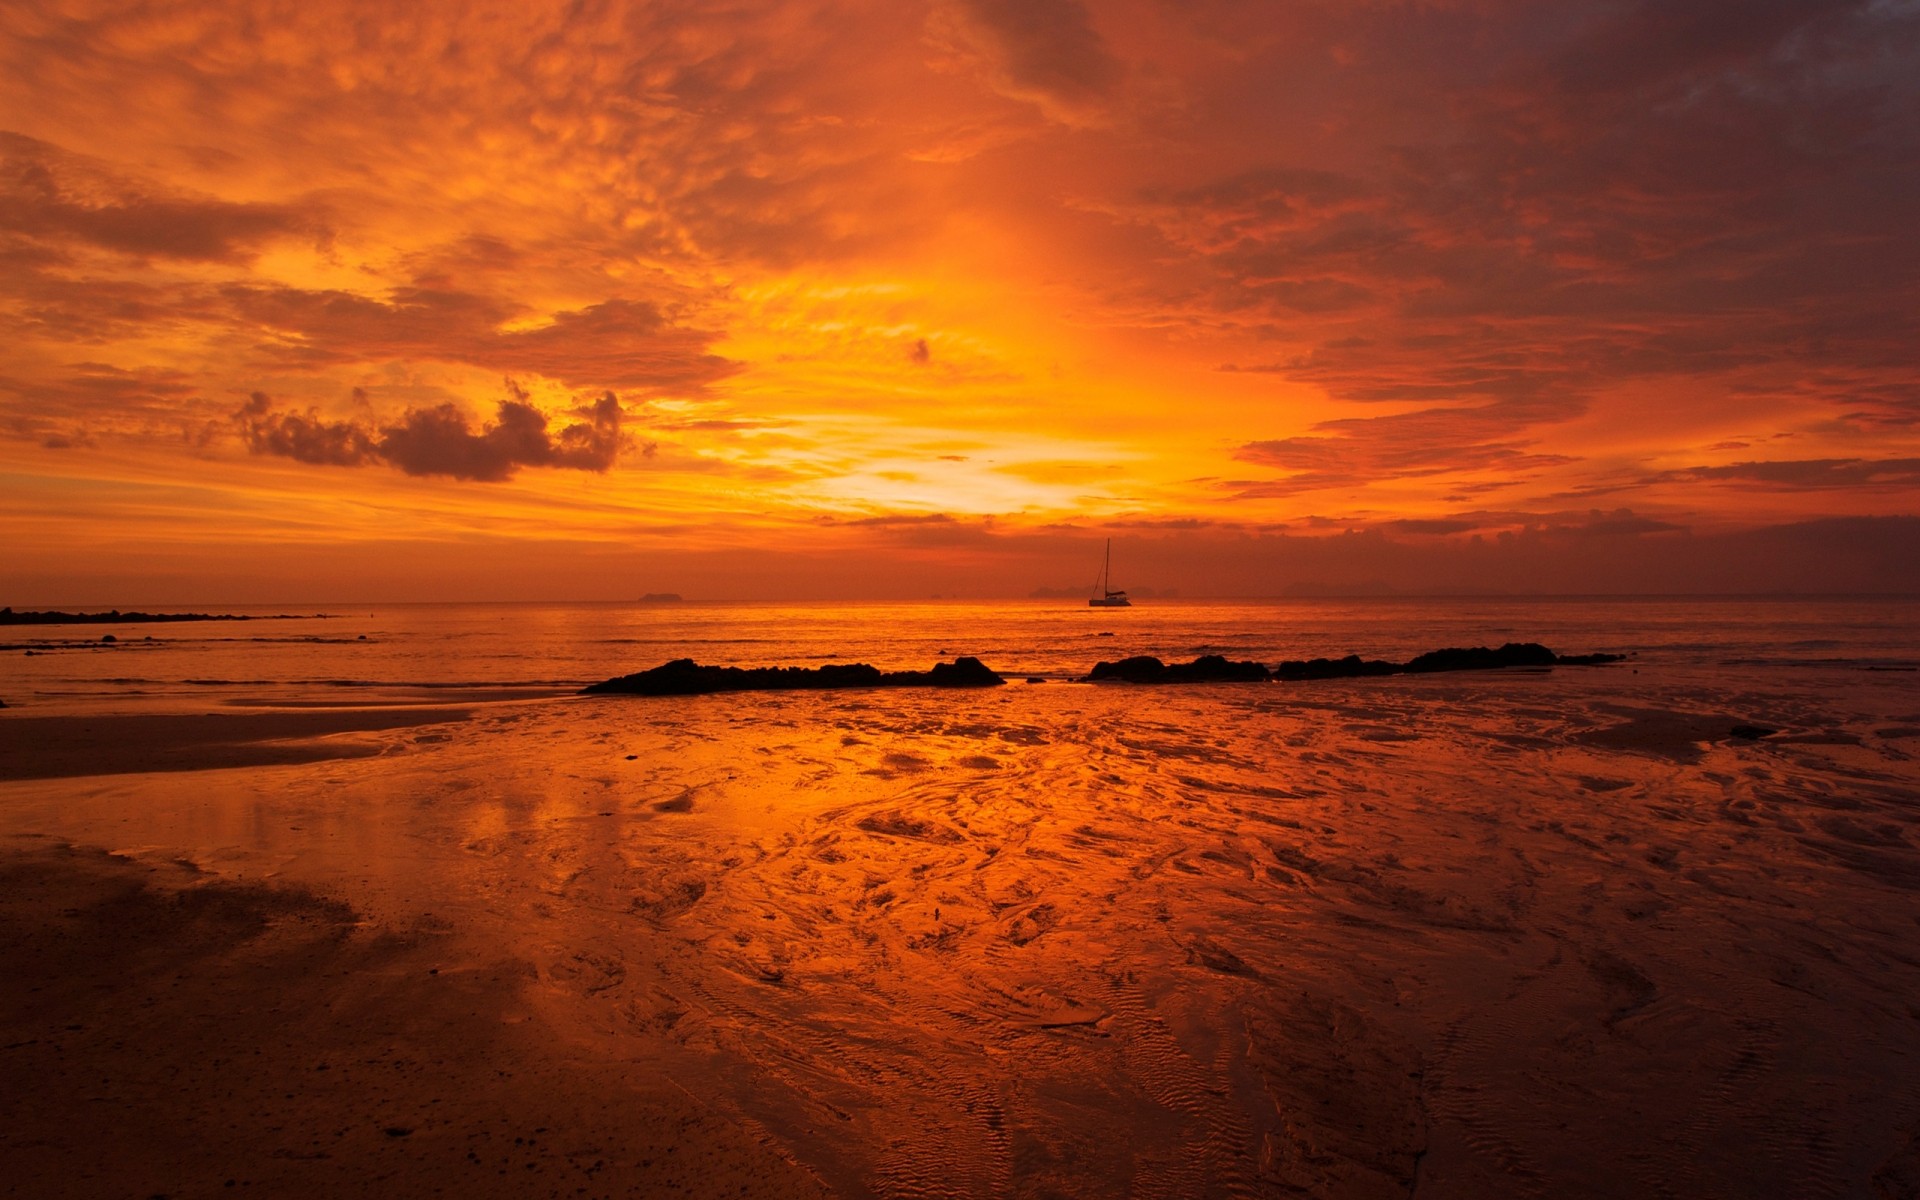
<point>348,654</point>
<point>1628,930</point>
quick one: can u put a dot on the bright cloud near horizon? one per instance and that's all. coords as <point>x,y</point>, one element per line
<point>846,298</point>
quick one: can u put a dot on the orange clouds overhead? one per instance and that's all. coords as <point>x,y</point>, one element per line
<point>802,279</point>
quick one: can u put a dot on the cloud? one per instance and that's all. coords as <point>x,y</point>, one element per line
<point>625,344</point>
<point>888,520</point>
<point>1428,526</point>
<point>1707,195</point>
<point>1356,451</point>
<point>1813,474</point>
<point>1624,523</point>
<point>440,440</point>
<point>86,400</point>
<point>56,199</point>
<point>1046,52</point>
<point>304,437</point>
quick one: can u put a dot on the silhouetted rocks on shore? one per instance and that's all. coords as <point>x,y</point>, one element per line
<point>684,677</point>
<point>1212,668</point>
<point>1350,667</point>
<point>1480,658</point>
<point>116,617</point>
<point>1208,668</point>
<point>1586,660</point>
<point>1474,658</point>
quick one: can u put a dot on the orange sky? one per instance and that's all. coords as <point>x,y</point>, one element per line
<point>327,300</point>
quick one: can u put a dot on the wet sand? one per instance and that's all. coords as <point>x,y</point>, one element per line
<point>166,1033</point>
<point>1552,934</point>
<point>55,747</point>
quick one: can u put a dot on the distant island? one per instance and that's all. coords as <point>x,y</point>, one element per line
<point>115,617</point>
<point>661,598</point>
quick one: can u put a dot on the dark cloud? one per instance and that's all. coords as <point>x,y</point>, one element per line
<point>889,520</point>
<point>303,437</point>
<point>1047,51</point>
<point>626,344</point>
<point>1433,526</point>
<point>1152,523</point>
<point>440,440</point>
<point>91,399</point>
<point>1814,474</point>
<point>54,198</point>
<point>1625,523</point>
<point>1578,197</point>
<point>1651,45</point>
<point>1355,451</point>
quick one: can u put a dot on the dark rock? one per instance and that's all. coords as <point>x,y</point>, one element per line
<point>1143,668</point>
<point>115,617</point>
<point>1208,668</point>
<point>109,638</point>
<point>684,677</point>
<point>961,672</point>
<point>1350,667</point>
<point>1476,658</point>
<point>1751,733</point>
<point>1479,658</point>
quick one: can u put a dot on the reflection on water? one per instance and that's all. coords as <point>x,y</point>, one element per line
<point>1345,939</point>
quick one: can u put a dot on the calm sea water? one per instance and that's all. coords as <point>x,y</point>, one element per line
<point>455,652</point>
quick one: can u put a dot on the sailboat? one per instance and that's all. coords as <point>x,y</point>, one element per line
<point>1104,596</point>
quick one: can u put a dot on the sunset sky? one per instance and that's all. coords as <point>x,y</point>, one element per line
<point>331,300</point>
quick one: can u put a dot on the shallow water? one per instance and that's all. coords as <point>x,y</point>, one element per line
<point>1488,934</point>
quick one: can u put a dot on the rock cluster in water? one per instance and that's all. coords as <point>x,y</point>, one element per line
<point>685,677</point>
<point>116,617</point>
<point>1212,668</point>
<point>1208,668</point>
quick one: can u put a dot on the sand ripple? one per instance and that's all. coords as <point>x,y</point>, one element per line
<point>1527,936</point>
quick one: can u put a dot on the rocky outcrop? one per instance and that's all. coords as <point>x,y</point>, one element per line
<point>1350,667</point>
<point>1208,668</point>
<point>684,677</point>
<point>116,617</point>
<point>1480,658</point>
<point>1474,658</point>
<point>1212,668</point>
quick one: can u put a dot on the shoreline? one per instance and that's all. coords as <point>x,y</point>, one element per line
<point>69,746</point>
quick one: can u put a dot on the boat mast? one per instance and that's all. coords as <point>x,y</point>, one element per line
<point>1106,571</point>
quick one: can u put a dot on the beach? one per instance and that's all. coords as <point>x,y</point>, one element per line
<point>1554,932</point>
